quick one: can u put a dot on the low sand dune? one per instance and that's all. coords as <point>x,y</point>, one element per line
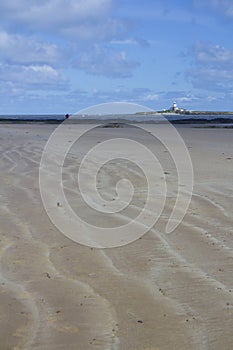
<point>161,292</point>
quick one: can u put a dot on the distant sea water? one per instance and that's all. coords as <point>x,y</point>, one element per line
<point>32,117</point>
<point>174,118</point>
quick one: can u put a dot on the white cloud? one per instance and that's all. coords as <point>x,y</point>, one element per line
<point>125,42</point>
<point>224,6</point>
<point>78,19</point>
<point>213,54</point>
<point>212,67</point>
<point>50,12</point>
<point>94,30</point>
<point>151,97</point>
<point>131,41</point>
<point>188,98</point>
<point>86,24</point>
<point>22,50</point>
<point>212,79</point>
<point>106,63</point>
<point>32,76</point>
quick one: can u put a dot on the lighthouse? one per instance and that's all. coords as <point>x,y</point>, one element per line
<point>175,108</point>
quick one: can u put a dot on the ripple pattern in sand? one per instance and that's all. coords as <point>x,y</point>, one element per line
<point>162,292</point>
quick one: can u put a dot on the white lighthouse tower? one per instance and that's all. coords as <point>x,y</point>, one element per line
<point>175,108</point>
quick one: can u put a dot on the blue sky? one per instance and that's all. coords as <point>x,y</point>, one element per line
<point>59,56</point>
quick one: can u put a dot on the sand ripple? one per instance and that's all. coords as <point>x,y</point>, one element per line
<point>164,291</point>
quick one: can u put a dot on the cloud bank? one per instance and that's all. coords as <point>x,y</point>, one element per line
<point>212,67</point>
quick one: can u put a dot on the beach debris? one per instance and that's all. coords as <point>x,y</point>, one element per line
<point>112,125</point>
<point>93,340</point>
<point>161,291</point>
<point>140,321</point>
<point>59,204</point>
<point>48,275</point>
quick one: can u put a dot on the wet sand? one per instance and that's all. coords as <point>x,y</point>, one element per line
<point>162,292</point>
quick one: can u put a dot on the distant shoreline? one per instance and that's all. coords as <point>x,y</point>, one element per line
<point>152,117</point>
<point>187,112</point>
<point>120,121</point>
<point>30,121</point>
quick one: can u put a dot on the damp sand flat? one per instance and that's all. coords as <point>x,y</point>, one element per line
<point>164,291</point>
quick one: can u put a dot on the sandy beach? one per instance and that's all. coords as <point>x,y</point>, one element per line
<point>162,292</point>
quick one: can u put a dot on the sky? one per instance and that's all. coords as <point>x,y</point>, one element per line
<point>60,56</point>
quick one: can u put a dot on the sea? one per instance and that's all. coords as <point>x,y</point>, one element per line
<point>213,119</point>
